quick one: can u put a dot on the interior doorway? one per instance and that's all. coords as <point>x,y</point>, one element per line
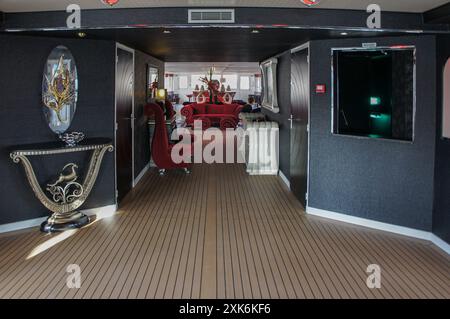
<point>124,120</point>
<point>300,123</point>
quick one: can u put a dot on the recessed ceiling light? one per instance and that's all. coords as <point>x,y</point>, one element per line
<point>344,33</point>
<point>255,31</point>
<point>167,31</point>
<point>81,34</point>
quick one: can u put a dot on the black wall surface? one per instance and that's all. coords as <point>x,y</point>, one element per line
<point>284,103</point>
<point>141,134</point>
<point>387,181</point>
<point>441,214</point>
<point>248,16</point>
<point>22,61</point>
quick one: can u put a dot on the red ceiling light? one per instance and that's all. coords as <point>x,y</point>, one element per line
<point>310,3</point>
<point>110,2</point>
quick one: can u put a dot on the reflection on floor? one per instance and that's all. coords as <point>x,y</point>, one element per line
<point>219,233</point>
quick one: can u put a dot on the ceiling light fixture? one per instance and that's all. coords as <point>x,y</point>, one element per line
<point>167,31</point>
<point>344,33</point>
<point>81,34</point>
<point>110,2</point>
<point>255,31</point>
<point>310,3</point>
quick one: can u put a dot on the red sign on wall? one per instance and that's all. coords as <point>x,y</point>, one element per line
<point>321,88</point>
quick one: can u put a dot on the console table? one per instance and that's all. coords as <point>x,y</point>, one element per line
<point>66,193</point>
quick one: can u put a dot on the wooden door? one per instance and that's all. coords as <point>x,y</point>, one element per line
<point>124,118</point>
<point>299,124</point>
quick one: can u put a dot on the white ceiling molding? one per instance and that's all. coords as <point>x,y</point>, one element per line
<point>417,6</point>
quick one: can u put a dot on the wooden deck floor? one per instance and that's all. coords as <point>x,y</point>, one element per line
<point>219,233</point>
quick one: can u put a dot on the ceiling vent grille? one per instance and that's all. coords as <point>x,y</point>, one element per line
<point>211,16</point>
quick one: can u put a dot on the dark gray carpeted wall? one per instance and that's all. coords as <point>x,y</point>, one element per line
<point>22,61</point>
<point>386,181</point>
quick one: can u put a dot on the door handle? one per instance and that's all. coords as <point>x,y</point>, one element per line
<point>291,120</point>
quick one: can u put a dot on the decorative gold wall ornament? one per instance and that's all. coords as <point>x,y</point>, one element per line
<point>60,89</point>
<point>65,200</point>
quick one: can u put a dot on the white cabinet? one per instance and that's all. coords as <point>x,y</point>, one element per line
<point>261,146</point>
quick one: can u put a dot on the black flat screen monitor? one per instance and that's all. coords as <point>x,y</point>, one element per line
<point>374,92</point>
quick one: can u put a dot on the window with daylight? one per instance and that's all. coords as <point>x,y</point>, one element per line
<point>446,99</point>
<point>183,81</point>
<point>168,83</point>
<point>258,84</point>
<point>195,80</point>
<point>245,83</point>
<point>230,80</point>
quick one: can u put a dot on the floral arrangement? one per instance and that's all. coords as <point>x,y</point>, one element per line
<point>154,87</point>
<point>213,86</point>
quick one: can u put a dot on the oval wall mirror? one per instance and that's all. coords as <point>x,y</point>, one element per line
<point>60,89</point>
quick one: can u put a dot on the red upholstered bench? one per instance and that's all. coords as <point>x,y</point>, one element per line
<point>222,115</point>
<point>228,122</point>
<point>206,122</point>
